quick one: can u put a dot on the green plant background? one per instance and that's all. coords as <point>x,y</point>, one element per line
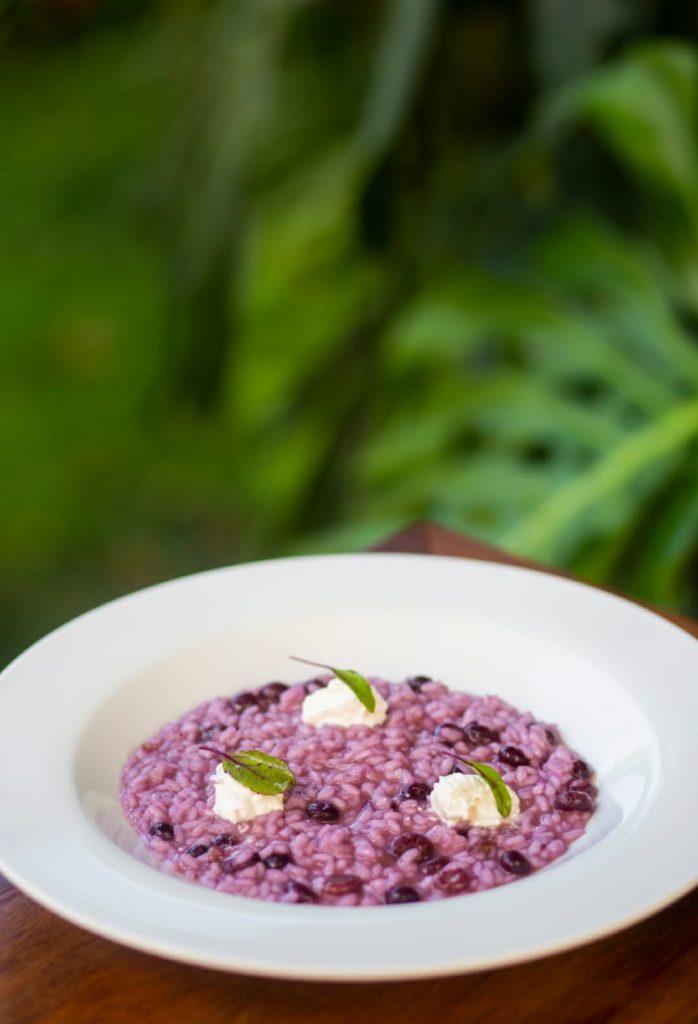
<point>283,277</point>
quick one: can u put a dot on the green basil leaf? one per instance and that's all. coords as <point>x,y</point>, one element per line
<point>259,772</point>
<point>496,783</point>
<point>358,684</point>
<point>360,687</point>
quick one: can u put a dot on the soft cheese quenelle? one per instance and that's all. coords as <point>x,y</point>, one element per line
<point>459,799</point>
<point>236,802</point>
<point>336,704</point>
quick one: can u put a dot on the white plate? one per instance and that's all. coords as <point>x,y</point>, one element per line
<point>621,683</point>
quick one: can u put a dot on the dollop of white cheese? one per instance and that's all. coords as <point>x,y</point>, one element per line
<point>236,802</point>
<point>459,799</point>
<point>335,704</point>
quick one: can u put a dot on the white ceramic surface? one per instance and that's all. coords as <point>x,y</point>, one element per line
<point>621,683</point>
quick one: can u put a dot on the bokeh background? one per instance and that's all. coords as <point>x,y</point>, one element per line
<point>282,276</point>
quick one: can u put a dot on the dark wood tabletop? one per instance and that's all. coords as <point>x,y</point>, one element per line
<point>52,971</point>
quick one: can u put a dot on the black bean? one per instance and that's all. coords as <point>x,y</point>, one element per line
<point>322,810</point>
<point>301,892</point>
<point>515,862</point>
<point>277,860</point>
<point>433,865</point>
<point>453,879</point>
<point>342,885</point>
<point>415,791</point>
<point>479,735</point>
<point>197,851</point>
<point>402,894</point>
<point>163,830</point>
<point>584,784</point>
<point>580,769</point>
<point>574,800</point>
<point>271,693</point>
<point>243,700</point>
<point>417,682</point>
<point>411,841</point>
<point>224,840</point>
<point>513,756</point>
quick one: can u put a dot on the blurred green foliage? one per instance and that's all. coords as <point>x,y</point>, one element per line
<point>283,277</point>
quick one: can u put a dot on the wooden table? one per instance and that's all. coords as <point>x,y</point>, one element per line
<point>51,971</point>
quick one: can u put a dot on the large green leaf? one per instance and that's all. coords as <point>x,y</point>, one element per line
<point>619,280</point>
<point>663,565</point>
<point>643,449</point>
<point>645,105</point>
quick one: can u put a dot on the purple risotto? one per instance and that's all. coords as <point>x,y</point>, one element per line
<point>358,824</point>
